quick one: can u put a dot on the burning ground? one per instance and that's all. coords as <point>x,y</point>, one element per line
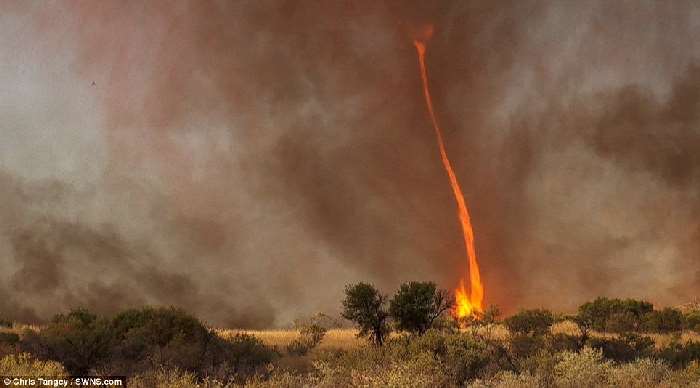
<point>245,160</point>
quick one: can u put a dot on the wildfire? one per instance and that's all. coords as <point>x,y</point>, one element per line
<point>465,305</point>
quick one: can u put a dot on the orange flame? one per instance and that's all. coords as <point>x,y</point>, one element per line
<point>465,305</point>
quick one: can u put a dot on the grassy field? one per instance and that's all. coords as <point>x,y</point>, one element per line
<point>347,338</point>
<point>334,338</point>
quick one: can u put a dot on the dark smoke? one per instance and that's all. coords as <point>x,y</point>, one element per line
<point>246,160</point>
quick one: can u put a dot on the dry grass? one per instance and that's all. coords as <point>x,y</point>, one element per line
<point>338,338</point>
<point>492,331</point>
<point>662,340</point>
<point>334,338</point>
<point>18,328</point>
<point>566,327</point>
<point>346,338</point>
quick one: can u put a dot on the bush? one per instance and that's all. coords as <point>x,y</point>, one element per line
<point>627,347</point>
<point>680,355</point>
<point>691,320</point>
<point>524,345</point>
<point>237,358</point>
<point>588,369</point>
<point>464,356</point>
<point>613,314</point>
<point>140,340</point>
<point>163,378</point>
<point>663,321</point>
<point>5,323</point>
<point>540,365</point>
<point>9,338</point>
<point>583,369</point>
<point>309,337</point>
<point>417,305</point>
<point>530,322</point>
<point>150,337</point>
<point>640,374</point>
<point>78,340</point>
<point>563,342</point>
<point>372,366</point>
<point>468,357</point>
<point>420,371</point>
<point>364,305</point>
<point>442,359</point>
<point>622,322</point>
<point>25,365</point>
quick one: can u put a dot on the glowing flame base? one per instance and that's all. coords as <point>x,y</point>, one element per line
<point>472,304</point>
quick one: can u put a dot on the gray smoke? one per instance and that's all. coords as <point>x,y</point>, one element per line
<point>246,160</point>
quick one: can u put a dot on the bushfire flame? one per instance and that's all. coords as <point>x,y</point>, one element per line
<point>465,305</point>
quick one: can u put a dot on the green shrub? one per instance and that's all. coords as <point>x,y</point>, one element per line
<point>613,314</point>
<point>468,357</point>
<point>563,342</point>
<point>79,340</point>
<point>245,354</point>
<point>417,305</point>
<point>25,365</point>
<point>641,373</point>
<point>9,338</point>
<point>691,321</point>
<point>540,365</point>
<point>420,371</point>
<point>524,345</point>
<point>589,369</point>
<point>463,356</point>
<point>626,348</point>
<point>623,322</point>
<point>530,322</point>
<point>445,359</point>
<point>680,355</point>
<point>586,368</point>
<point>663,321</point>
<point>145,338</point>
<point>139,340</point>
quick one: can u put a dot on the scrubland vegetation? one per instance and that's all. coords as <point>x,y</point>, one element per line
<point>407,340</point>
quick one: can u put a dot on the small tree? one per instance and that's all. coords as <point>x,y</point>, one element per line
<point>417,305</point>
<point>366,306</point>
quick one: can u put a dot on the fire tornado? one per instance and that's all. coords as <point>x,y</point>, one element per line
<point>466,305</point>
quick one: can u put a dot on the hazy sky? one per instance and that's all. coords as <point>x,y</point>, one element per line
<point>247,159</point>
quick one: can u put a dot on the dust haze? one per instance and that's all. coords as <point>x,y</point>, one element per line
<point>245,160</point>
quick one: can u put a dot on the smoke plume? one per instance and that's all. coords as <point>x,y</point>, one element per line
<point>245,160</point>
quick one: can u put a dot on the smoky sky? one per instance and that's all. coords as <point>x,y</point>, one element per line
<point>245,160</point>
